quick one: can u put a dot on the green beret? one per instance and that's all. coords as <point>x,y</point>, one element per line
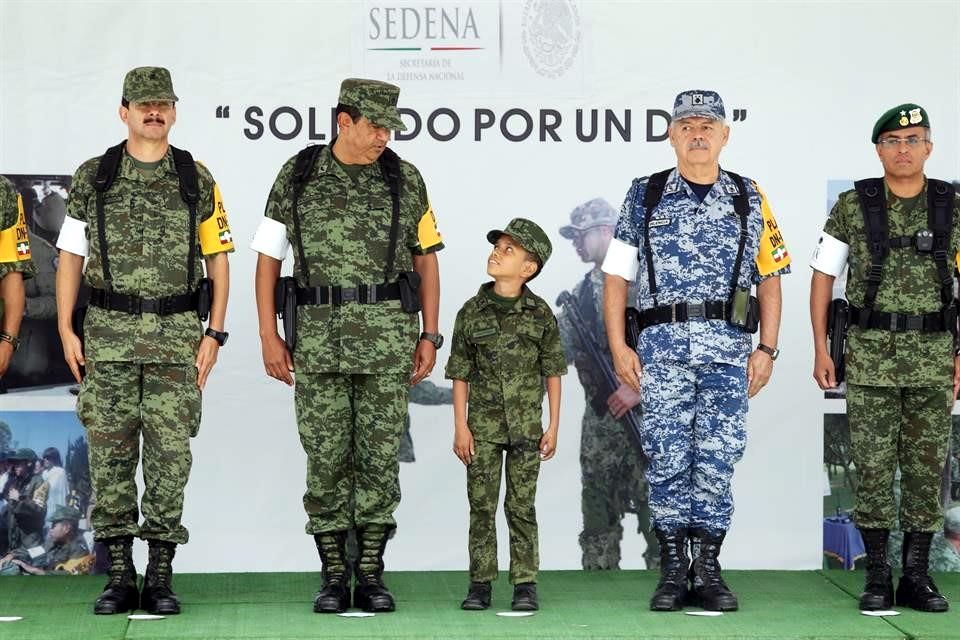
<point>906,115</point>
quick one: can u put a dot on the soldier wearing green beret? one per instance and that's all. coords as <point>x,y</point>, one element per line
<point>506,343</point>
<point>898,237</point>
<point>364,241</point>
<point>147,218</point>
<point>64,552</point>
<point>15,266</point>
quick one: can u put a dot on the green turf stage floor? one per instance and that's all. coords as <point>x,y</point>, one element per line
<point>574,604</point>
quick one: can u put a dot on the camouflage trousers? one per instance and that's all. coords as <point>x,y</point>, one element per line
<point>693,433</point>
<point>612,485</point>
<point>909,426</point>
<point>519,505</point>
<point>119,403</point>
<point>350,427</point>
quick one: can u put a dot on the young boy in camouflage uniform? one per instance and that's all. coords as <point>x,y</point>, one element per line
<point>505,342</point>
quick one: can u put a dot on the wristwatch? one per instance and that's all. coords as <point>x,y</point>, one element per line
<point>15,341</point>
<point>770,351</point>
<point>219,336</point>
<point>435,338</point>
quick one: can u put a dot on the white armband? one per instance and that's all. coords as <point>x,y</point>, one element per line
<point>271,239</point>
<point>830,256</point>
<point>622,260</point>
<point>73,237</point>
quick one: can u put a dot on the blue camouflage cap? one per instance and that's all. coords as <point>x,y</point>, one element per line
<point>699,103</point>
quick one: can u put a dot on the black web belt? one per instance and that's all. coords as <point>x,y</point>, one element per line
<point>899,322</point>
<point>337,295</point>
<point>135,305</point>
<point>684,311</point>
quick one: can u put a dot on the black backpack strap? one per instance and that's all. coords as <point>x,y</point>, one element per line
<point>741,205</point>
<point>302,170</point>
<point>190,193</point>
<point>873,202</point>
<point>941,197</point>
<point>107,172</point>
<point>390,167</point>
<point>651,199</point>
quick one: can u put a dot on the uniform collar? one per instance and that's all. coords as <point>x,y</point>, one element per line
<point>129,171</point>
<point>723,187</point>
<point>328,164</point>
<point>484,300</point>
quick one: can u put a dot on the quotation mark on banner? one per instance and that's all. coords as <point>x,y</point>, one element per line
<point>739,115</point>
<point>223,112</point>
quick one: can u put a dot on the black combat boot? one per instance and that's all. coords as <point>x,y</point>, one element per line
<point>707,588</point>
<point>369,592</point>
<point>157,596</point>
<point>478,597</point>
<point>120,594</point>
<point>672,589</point>
<point>878,589</point>
<point>525,597</point>
<point>334,594</point>
<point>917,589</point>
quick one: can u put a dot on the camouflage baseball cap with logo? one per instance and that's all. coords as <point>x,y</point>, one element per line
<point>900,117</point>
<point>699,103</point>
<point>593,213</point>
<point>530,236</point>
<point>64,512</point>
<point>376,100</point>
<point>146,84</point>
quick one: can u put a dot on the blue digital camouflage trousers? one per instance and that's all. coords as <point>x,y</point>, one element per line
<point>350,427</point>
<point>694,419</point>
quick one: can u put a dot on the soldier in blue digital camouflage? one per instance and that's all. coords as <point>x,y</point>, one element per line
<point>364,241</point>
<point>898,238</point>
<point>15,265</point>
<point>704,237</point>
<point>146,218</point>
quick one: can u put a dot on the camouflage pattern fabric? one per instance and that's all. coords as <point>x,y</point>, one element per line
<point>25,516</point>
<point>612,474</point>
<point>146,84</point>
<point>530,236</point>
<point>944,556</point>
<point>910,285</point>
<point>148,243</point>
<point>425,393</point>
<point>14,248</point>
<point>505,361</point>
<point>350,428</point>
<point>345,228</point>
<point>375,100</point>
<point>905,425</point>
<point>53,556</point>
<point>519,505</point>
<point>119,403</point>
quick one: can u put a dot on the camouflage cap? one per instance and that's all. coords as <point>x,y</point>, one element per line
<point>593,213</point>
<point>64,512</point>
<point>27,455</point>
<point>698,103</point>
<point>375,99</point>
<point>901,117</point>
<point>951,520</point>
<point>530,236</point>
<point>145,84</point>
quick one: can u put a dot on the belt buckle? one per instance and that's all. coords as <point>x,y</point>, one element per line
<point>348,294</point>
<point>695,310</point>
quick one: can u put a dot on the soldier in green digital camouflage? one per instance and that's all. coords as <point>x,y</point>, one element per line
<point>899,238</point>
<point>26,496</point>
<point>364,241</point>
<point>64,552</point>
<point>15,265</point>
<point>143,215</point>
<point>506,348</point>
<point>612,471</point>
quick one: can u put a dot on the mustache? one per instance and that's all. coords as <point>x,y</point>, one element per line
<point>150,120</point>
<point>697,144</point>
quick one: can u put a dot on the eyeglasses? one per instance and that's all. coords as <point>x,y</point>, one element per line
<point>893,142</point>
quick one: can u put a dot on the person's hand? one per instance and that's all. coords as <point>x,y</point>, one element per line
<point>548,444</point>
<point>759,368</point>
<point>73,354</point>
<point>5,560</point>
<point>956,376</point>
<point>825,373</point>
<point>13,495</point>
<point>463,444</point>
<point>626,365</point>
<point>6,355</point>
<point>206,358</point>
<point>277,361</point>
<point>423,360</point>
<point>622,400</point>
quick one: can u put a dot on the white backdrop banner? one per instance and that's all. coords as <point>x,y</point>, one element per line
<point>514,109</point>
